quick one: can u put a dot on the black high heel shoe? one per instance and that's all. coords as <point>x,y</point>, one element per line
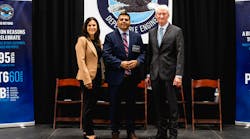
<point>85,137</point>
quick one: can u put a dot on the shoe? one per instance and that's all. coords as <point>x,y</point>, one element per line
<point>132,136</point>
<point>173,133</point>
<point>115,135</point>
<point>172,137</point>
<point>159,136</point>
<point>85,136</point>
<point>89,136</point>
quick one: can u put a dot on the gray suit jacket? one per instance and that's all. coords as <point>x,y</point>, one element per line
<point>167,60</point>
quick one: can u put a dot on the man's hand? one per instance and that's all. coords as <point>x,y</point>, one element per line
<point>148,82</point>
<point>129,64</point>
<point>124,64</point>
<point>132,64</point>
<point>177,82</point>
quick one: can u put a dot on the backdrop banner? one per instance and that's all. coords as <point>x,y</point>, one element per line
<point>16,83</point>
<point>141,14</point>
<point>242,62</point>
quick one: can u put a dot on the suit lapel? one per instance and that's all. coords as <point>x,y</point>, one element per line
<point>168,30</point>
<point>131,41</point>
<point>165,36</point>
<point>92,47</point>
<point>154,40</point>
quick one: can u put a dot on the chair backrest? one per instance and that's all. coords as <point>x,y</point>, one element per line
<point>212,83</point>
<point>66,82</point>
<point>141,84</point>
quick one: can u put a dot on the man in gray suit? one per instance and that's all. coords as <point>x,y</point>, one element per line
<point>165,61</point>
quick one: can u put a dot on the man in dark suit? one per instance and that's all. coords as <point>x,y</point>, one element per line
<point>123,54</point>
<point>165,60</point>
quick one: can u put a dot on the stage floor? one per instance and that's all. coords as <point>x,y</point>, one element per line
<point>103,132</point>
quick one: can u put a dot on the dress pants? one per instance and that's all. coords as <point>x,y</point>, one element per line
<point>163,90</point>
<point>90,97</point>
<point>125,91</point>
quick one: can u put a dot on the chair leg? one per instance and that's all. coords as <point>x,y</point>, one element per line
<point>54,122</point>
<point>193,128</point>
<point>185,117</point>
<point>193,116</point>
<point>220,112</point>
<point>81,110</point>
<point>81,116</point>
<point>192,93</point>
<point>145,108</point>
<point>184,108</point>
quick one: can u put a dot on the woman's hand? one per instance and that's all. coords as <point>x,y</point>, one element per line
<point>89,86</point>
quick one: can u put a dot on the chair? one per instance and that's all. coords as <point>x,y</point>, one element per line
<point>67,93</point>
<point>144,121</point>
<point>205,84</point>
<point>182,102</point>
<point>105,103</point>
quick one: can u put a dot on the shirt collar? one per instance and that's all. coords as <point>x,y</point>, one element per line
<point>120,31</point>
<point>165,26</point>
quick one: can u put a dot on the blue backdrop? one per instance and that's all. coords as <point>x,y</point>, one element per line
<point>242,61</point>
<point>16,83</point>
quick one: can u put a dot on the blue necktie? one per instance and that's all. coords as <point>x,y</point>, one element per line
<point>160,36</point>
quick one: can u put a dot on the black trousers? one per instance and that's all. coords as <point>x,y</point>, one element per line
<point>126,92</point>
<point>164,91</point>
<point>90,97</point>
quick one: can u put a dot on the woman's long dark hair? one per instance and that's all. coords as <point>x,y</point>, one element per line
<point>96,35</point>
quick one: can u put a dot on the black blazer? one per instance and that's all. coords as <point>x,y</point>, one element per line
<point>168,59</point>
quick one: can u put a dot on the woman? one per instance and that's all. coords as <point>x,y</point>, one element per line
<point>88,52</point>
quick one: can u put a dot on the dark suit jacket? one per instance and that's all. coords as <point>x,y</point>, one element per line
<point>114,53</point>
<point>167,60</point>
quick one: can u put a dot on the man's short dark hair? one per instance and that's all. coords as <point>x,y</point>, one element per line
<point>124,13</point>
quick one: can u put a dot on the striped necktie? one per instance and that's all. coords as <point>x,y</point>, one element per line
<point>125,43</point>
